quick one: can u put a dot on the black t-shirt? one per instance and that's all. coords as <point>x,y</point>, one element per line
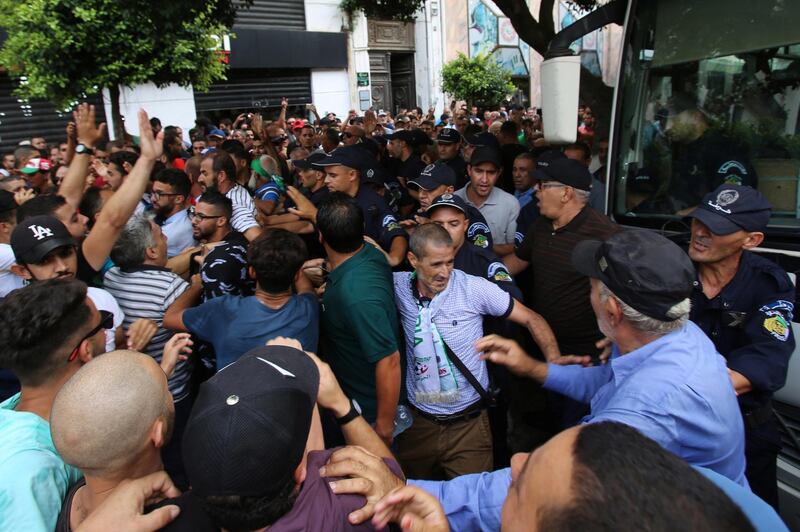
<point>412,167</point>
<point>557,291</point>
<point>192,517</point>
<point>86,272</point>
<point>224,270</point>
<point>459,166</point>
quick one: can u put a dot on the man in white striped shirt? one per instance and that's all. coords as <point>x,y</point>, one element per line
<point>218,172</point>
<point>145,288</point>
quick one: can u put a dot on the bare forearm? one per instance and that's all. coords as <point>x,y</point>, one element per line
<point>358,432</point>
<point>121,205</point>
<point>514,264</point>
<point>173,318</point>
<point>387,384</point>
<point>503,249</point>
<point>543,336</point>
<point>398,251</point>
<point>71,188</point>
<point>741,384</point>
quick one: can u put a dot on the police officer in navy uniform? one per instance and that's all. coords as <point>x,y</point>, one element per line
<point>343,168</point>
<point>435,180</point>
<point>448,146</point>
<point>744,303</point>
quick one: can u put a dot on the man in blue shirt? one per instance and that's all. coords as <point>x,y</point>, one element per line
<point>170,197</point>
<point>664,377</point>
<point>235,324</point>
<point>50,329</point>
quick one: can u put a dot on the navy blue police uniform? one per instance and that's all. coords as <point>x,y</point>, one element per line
<point>749,322</point>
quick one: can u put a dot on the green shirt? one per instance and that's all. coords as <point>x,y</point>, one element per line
<point>359,324</point>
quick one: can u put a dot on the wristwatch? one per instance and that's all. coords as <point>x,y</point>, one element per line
<point>84,149</point>
<point>355,411</point>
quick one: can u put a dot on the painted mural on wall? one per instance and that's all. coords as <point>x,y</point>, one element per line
<point>492,33</point>
<point>589,47</point>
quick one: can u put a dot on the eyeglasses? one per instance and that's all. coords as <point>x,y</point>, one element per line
<point>199,215</point>
<point>157,194</point>
<point>106,322</point>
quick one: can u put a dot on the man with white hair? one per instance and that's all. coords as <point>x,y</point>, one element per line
<point>664,377</point>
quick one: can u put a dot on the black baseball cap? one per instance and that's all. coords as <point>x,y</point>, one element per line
<point>732,208</point>
<point>308,162</point>
<point>643,182</point>
<point>448,200</point>
<point>483,139</point>
<point>485,154</point>
<point>566,171</point>
<point>420,138</point>
<point>544,159</point>
<point>373,173</point>
<point>248,428</point>
<point>403,134</point>
<point>642,268</point>
<point>349,156</point>
<point>35,237</point>
<point>448,136</point>
<point>435,175</point>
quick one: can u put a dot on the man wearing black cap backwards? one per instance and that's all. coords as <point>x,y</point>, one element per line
<point>253,446</point>
<point>664,377</point>
<point>744,303</point>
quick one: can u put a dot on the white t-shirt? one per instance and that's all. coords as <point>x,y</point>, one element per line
<point>105,301</point>
<point>8,280</point>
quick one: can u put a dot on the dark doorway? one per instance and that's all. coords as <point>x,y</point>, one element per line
<point>392,80</point>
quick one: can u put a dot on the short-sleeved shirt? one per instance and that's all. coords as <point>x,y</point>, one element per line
<point>34,477</point>
<point>527,215</point>
<point>317,509</point>
<point>500,210</point>
<point>557,291</point>
<point>234,325</point>
<point>359,324</point>
<point>480,262</point>
<point>224,270</point>
<point>178,230</point>
<point>147,292</point>
<point>244,210</point>
<point>380,223</point>
<point>459,320</point>
<point>750,324</point>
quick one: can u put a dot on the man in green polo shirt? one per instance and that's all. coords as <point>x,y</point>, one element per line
<point>360,330</point>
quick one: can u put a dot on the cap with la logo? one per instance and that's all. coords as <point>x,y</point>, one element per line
<point>35,237</point>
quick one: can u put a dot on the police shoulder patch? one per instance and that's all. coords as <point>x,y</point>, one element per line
<point>778,327</point>
<point>498,272</point>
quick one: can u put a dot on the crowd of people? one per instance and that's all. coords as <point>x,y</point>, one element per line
<point>330,324</point>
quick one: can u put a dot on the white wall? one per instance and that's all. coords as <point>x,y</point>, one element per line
<point>330,88</point>
<point>428,58</point>
<point>330,91</point>
<point>173,105</point>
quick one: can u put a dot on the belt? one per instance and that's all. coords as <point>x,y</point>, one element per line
<point>758,416</point>
<point>471,412</point>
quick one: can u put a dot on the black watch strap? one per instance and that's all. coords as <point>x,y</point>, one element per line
<point>83,148</point>
<point>355,411</point>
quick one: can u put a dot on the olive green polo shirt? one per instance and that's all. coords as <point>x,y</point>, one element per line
<point>359,324</point>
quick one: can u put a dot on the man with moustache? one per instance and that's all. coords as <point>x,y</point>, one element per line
<point>745,304</point>
<point>218,172</point>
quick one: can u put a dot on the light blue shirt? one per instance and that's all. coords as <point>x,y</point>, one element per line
<point>459,319</point>
<point>178,229</point>
<point>524,197</point>
<point>33,478</point>
<point>475,502</point>
<point>674,390</point>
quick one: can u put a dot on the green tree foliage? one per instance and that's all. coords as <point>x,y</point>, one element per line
<point>402,10</point>
<point>478,80</point>
<point>63,50</point>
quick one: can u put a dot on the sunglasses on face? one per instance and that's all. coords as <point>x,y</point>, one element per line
<point>106,322</point>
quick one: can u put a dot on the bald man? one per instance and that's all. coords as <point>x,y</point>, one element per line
<point>111,420</point>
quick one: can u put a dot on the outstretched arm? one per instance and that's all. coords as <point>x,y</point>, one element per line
<point>120,206</point>
<point>88,134</point>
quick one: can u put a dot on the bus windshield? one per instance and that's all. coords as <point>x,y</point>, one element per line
<point>709,94</point>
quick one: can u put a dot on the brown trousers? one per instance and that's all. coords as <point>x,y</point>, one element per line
<point>434,451</point>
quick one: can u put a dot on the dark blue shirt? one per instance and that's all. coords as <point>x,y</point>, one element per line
<point>750,324</point>
<point>380,223</point>
<point>235,325</point>
<point>484,263</point>
<point>527,215</point>
<point>478,231</point>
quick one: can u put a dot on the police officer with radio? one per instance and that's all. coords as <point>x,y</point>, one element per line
<point>744,303</point>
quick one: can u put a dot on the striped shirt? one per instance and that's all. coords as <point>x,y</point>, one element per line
<point>460,322</point>
<point>147,292</point>
<point>244,210</point>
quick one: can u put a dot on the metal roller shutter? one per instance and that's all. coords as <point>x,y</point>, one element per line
<point>256,89</point>
<point>284,14</point>
<point>21,120</point>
